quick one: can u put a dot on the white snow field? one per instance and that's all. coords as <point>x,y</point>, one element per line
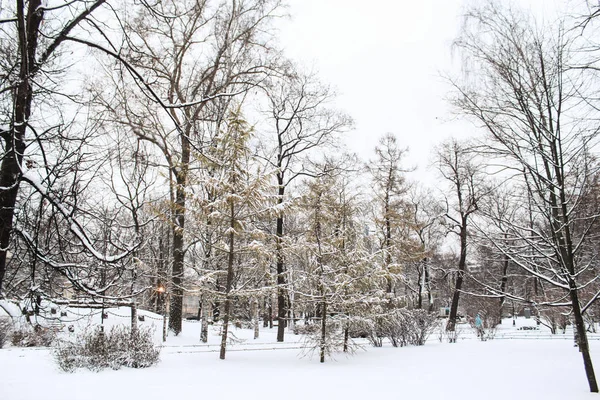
<point>516,365</point>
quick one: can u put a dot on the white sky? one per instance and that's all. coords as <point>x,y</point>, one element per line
<point>386,58</point>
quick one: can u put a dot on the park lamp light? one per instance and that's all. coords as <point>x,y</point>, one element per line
<point>161,290</point>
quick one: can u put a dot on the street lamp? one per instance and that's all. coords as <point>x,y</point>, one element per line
<point>513,312</point>
<point>162,291</point>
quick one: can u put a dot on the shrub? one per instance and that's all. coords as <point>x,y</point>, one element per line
<point>376,328</point>
<point>401,327</point>
<point>117,348</point>
<point>313,340</point>
<point>36,336</point>
<point>424,324</point>
<point>377,332</point>
<point>5,331</point>
<point>306,329</point>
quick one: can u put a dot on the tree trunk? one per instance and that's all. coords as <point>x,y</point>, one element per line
<point>134,318</point>
<point>176,312</point>
<point>225,328</point>
<point>266,312</point>
<point>323,328</point>
<point>503,284</point>
<point>165,316</point>
<point>388,240</point>
<point>180,173</point>
<point>459,277</point>
<point>428,285</point>
<point>582,341</point>
<point>205,316</point>
<point>420,290</point>
<point>291,306</point>
<point>134,310</point>
<point>346,337</point>
<point>14,138</point>
<point>255,317</point>
<point>562,236</point>
<point>229,282</point>
<point>281,294</point>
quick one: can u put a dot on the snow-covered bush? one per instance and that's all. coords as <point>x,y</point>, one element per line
<point>392,325</point>
<point>359,327</point>
<point>33,336</point>
<point>554,318</point>
<point>5,331</point>
<point>376,329</point>
<point>98,350</point>
<point>399,328</point>
<point>424,324</point>
<point>330,343</point>
<point>306,329</point>
<point>402,327</point>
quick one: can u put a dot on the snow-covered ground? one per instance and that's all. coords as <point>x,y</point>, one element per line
<point>470,369</point>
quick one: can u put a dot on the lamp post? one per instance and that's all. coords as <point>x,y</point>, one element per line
<point>513,312</point>
<point>162,291</point>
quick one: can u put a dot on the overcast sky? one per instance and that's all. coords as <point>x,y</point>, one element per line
<point>386,58</point>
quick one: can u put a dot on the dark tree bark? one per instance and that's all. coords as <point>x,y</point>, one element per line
<point>424,285</point>
<point>523,97</point>
<point>302,123</point>
<point>457,167</point>
<point>323,329</point>
<point>181,173</point>
<point>503,285</point>
<point>281,292</point>
<point>228,284</point>
<point>29,20</point>
<point>462,262</point>
<point>388,233</point>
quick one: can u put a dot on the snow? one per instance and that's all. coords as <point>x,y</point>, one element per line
<point>9,309</point>
<point>470,369</point>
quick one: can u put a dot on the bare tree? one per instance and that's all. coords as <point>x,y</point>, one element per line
<point>496,268</point>
<point>530,104</point>
<point>426,212</point>
<point>189,60</point>
<point>463,175</point>
<point>131,180</point>
<point>30,56</point>
<point>302,122</point>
